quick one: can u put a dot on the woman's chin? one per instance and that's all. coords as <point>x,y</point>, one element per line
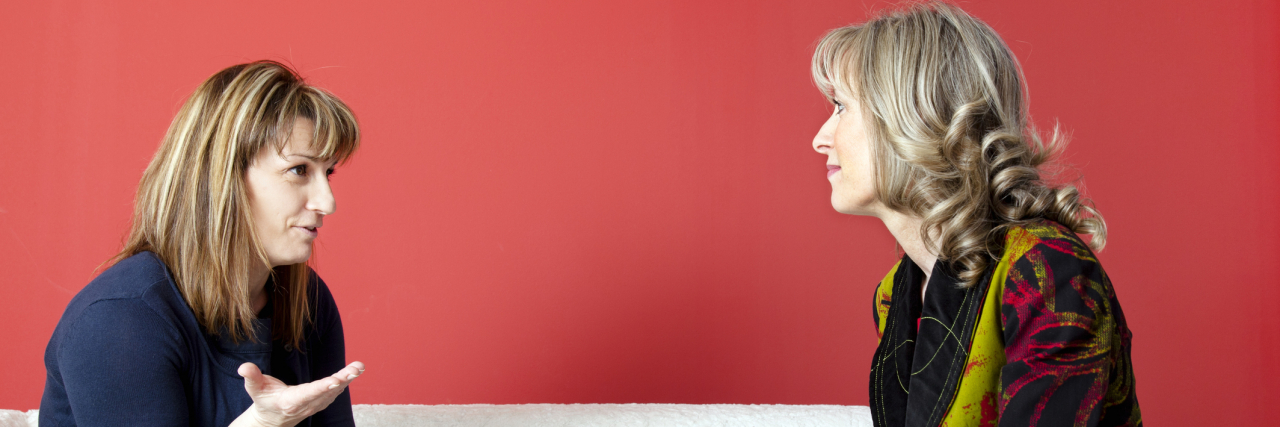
<point>844,207</point>
<point>297,258</point>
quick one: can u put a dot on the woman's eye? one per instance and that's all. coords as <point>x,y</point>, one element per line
<point>839,107</point>
<point>330,172</point>
<point>299,170</point>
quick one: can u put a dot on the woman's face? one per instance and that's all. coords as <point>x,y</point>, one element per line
<point>843,139</point>
<point>289,196</point>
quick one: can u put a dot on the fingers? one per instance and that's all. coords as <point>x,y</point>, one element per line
<point>346,375</point>
<point>253,379</point>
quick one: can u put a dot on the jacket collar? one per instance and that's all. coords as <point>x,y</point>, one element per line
<point>916,373</point>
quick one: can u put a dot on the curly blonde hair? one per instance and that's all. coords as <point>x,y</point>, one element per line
<point>952,142</point>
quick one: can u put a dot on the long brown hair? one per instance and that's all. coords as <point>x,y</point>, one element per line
<point>951,139</point>
<point>192,209</point>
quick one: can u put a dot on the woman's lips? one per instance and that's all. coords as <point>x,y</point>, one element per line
<point>312,231</point>
<point>831,170</point>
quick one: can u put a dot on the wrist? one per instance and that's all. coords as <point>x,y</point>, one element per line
<point>251,417</point>
<point>262,418</point>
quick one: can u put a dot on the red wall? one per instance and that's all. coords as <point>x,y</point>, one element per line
<point>618,201</point>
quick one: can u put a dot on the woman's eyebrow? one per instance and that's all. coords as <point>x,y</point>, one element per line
<point>313,159</point>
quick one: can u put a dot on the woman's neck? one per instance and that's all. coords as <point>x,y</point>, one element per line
<point>906,230</point>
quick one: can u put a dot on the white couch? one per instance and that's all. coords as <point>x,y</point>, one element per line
<point>582,415</point>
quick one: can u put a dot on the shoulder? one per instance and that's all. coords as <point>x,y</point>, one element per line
<point>141,278</point>
<point>1048,270</point>
<point>134,297</point>
<point>132,277</point>
<point>1044,254</point>
<point>1044,239</point>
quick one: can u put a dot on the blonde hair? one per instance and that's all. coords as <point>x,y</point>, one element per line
<point>192,208</point>
<point>951,139</point>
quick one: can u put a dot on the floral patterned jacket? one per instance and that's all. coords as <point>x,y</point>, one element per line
<point>1041,341</point>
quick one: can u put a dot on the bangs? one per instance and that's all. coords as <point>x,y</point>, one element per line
<point>336,134</point>
<point>832,62</point>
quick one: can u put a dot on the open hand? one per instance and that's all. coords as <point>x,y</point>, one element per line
<point>277,404</point>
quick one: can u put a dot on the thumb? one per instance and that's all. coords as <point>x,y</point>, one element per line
<point>252,378</point>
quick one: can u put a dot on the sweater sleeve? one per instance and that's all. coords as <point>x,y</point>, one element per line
<point>330,356</point>
<point>1058,332</point>
<point>121,365</point>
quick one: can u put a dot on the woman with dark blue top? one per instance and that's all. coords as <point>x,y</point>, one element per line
<point>210,315</point>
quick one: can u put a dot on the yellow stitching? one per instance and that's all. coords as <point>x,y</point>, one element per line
<point>939,349</point>
<point>890,325</point>
<point>953,358</point>
<point>949,333</point>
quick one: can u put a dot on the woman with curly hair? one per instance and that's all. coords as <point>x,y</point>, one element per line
<point>998,312</point>
<point>209,315</point>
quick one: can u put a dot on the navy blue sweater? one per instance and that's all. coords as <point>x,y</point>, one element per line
<point>128,351</point>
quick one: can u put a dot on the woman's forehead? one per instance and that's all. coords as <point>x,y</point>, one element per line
<point>303,141</point>
<point>296,149</point>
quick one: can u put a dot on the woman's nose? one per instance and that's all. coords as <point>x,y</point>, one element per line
<point>321,198</point>
<point>826,134</point>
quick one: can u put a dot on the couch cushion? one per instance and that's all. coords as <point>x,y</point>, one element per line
<point>602,415</point>
<point>584,415</point>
